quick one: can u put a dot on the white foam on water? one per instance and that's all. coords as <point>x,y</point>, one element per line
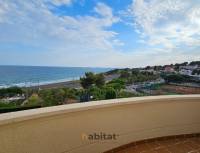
<point>32,84</point>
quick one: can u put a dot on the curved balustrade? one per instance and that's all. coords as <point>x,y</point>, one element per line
<point>99,126</point>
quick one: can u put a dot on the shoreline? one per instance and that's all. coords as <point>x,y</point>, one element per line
<point>70,83</point>
<point>67,84</point>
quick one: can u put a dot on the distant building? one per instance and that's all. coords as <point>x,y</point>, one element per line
<point>15,98</point>
<point>169,69</point>
<point>189,67</point>
<point>185,72</point>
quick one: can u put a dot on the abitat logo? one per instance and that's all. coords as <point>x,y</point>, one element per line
<point>99,136</point>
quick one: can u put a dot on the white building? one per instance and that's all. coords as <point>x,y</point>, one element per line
<point>186,72</point>
<point>189,67</point>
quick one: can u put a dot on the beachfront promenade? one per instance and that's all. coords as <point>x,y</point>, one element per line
<point>65,129</point>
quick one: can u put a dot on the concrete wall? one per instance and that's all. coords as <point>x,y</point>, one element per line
<point>60,129</point>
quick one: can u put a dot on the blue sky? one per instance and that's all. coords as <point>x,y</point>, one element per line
<point>99,33</point>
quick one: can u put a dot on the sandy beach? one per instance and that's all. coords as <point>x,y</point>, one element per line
<point>67,84</point>
<point>72,84</point>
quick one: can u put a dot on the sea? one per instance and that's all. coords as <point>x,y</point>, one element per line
<point>27,76</point>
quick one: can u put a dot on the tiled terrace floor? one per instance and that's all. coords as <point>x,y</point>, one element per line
<point>173,144</point>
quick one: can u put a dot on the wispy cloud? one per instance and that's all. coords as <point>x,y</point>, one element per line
<point>170,23</point>
<point>31,22</point>
<point>169,32</point>
<point>60,2</point>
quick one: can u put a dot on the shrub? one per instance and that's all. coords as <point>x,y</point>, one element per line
<point>97,93</point>
<point>10,92</point>
<point>125,74</point>
<point>110,93</point>
<point>117,84</point>
<point>125,94</point>
<point>34,100</point>
<point>176,78</point>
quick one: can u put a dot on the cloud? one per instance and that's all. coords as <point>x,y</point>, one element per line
<point>3,9</point>
<point>107,13</point>
<point>103,10</point>
<point>33,24</point>
<point>170,23</point>
<point>35,35</point>
<point>60,2</point>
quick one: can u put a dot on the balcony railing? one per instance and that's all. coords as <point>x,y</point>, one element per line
<point>69,128</point>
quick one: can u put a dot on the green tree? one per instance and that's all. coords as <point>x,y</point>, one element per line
<point>91,79</point>
<point>196,72</point>
<point>99,80</point>
<point>195,63</point>
<point>135,72</point>
<point>88,80</point>
<point>125,74</point>
<point>174,78</point>
<point>10,92</point>
<point>117,84</point>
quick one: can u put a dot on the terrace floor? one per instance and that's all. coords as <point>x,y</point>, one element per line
<point>172,144</point>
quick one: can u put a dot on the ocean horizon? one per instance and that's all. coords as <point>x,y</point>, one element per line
<point>27,76</point>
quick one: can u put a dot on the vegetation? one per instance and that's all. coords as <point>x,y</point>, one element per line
<point>96,87</point>
<point>174,78</point>
<point>136,76</point>
<point>96,93</point>
<point>4,104</point>
<point>99,90</point>
<point>111,72</point>
<point>34,100</point>
<point>110,93</point>
<point>52,97</point>
<point>177,78</point>
<point>92,79</point>
<point>117,84</point>
<point>10,92</point>
<point>16,108</point>
<point>125,94</point>
<point>99,80</point>
<point>195,63</point>
<point>194,72</point>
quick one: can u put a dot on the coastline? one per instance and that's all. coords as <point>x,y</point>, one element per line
<point>67,84</point>
<point>44,76</point>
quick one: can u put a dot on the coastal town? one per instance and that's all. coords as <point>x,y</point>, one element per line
<point>183,78</point>
<point>180,76</point>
